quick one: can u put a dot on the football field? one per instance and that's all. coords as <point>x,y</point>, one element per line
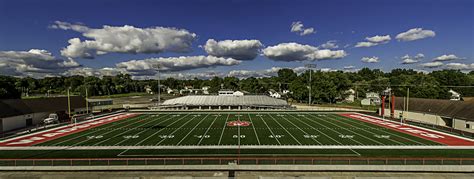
<point>243,129</point>
<point>220,134</point>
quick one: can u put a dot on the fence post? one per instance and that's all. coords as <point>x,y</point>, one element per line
<point>70,162</point>
<point>14,162</point>
<point>34,163</point>
<point>52,162</point>
<point>89,162</point>
<point>146,161</point>
<point>127,162</point>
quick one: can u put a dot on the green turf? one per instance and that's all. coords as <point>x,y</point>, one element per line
<point>203,129</point>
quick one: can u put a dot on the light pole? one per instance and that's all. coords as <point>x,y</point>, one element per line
<point>157,66</point>
<point>310,67</point>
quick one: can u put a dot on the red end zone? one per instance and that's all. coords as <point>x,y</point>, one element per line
<point>435,136</point>
<point>47,135</point>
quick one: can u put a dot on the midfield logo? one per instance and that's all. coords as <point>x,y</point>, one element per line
<point>238,123</point>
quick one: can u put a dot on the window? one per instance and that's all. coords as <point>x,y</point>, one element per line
<point>468,126</point>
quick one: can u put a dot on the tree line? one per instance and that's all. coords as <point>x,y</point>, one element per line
<point>326,87</point>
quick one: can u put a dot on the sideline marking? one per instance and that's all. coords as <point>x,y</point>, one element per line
<point>435,136</point>
<point>62,131</point>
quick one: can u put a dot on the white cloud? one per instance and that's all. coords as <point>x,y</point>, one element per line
<point>460,66</point>
<point>298,27</point>
<point>432,64</point>
<point>236,49</point>
<point>370,59</point>
<point>176,63</point>
<point>86,71</point>
<point>125,39</point>
<point>365,44</point>
<point>415,34</point>
<point>69,26</point>
<point>35,62</point>
<point>331,44</point>
<point>407,59</point>
<point>447,58</point>
<point>374,41</point>
<point>298,52</point>
<point>349,67</point>
<point>379,39</point>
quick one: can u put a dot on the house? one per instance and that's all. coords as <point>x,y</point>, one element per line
<point>274,94</point>
<point>171,91</point>
<point>350,95</point>
<point>205,89</point>
<point>455,96</point>
<point>148,89</point>
<point>21,113</point>
<point>371,98</point>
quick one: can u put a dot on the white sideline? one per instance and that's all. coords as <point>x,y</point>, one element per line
<point>236,146</point>
<point>69,125</point>
<point>418,127</point>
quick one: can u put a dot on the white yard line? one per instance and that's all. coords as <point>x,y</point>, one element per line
<point>300,128</point>
<point>253,126</point>
<point>172,117</point>
<point>435,131</point>
<point>285,129</point>
<point>318,130</point>
<point>89,133</point>
<point>60,127</point>
<point>159,142</point>
<point>238,131</point>
<point>369,131</point>
<point>207,130</point>
<point>160,129</point>
<point>128,129</point>
<point>270,129</point>
<point>330,129</point>
<point>222,133</point>
<point>192,130</point>
<point>328,121</point>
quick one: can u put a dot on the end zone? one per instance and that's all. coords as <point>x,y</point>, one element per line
<point>43,136</point>
<point>436,136</point>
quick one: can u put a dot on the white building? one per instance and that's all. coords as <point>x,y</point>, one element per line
<point>455,96</point>
<point>350,95</point>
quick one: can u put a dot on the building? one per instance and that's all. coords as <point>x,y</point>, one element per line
<point>274,94</point>
<point>454,114</point>
<point>21,113</point>
<point>225,101</point>
<point>455,96</point>
<point>372,97</point>
<point>350,96</point>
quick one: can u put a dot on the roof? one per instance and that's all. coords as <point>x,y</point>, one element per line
<point>214,100</point>
<point>98,99</point>
<point>15,107</point>
<point>448,108</point>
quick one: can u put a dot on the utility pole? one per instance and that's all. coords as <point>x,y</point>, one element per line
<point>68,103</point>
<point>87,103</point>
<point>158,66</point>
<point>310,67</point>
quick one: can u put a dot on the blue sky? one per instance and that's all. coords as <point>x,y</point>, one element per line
<point>28,25</point>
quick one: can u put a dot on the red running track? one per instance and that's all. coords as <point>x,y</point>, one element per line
<point>47,135</point>
<point>432,135</point>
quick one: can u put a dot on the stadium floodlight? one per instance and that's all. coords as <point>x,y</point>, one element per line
<point>157,66</point>
<point>310,68</point>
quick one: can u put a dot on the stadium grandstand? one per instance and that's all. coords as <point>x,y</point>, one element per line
<point>225,101</point>
<point>449,113</point>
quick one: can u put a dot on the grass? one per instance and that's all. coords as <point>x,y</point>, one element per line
<point>201,129</point>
